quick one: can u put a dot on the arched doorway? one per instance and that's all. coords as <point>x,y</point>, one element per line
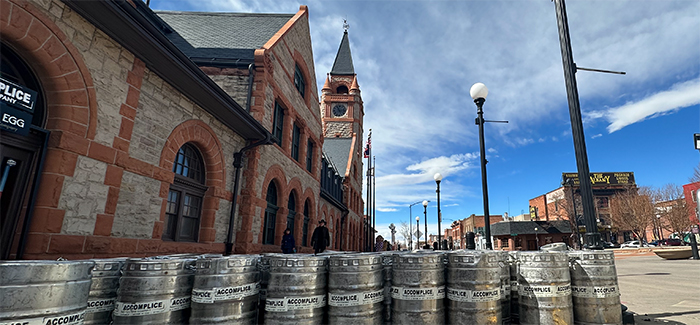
<point>22,145</point>
<point>270,215</point>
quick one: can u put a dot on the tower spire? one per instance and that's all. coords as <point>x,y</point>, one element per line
<point>343,60</point>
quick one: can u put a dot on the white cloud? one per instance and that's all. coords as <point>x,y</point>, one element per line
<point>387,209</point>
<point>596,136</point>
<point>681,95</point>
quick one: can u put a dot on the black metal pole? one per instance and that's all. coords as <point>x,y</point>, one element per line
<point>573,204</point>
<point>593,240</point>
<point>410,224</point>
<point>482,152</point>
<point>374,198</point>
<point>425,214</point>
<point>439,216</point>
<point>417,233</point>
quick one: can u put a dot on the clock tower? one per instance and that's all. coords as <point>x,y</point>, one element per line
<point>341,103</point>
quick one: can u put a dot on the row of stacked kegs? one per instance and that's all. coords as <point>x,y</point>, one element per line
<point>418,287</point>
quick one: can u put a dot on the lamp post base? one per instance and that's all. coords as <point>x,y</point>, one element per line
<point>593,241</point>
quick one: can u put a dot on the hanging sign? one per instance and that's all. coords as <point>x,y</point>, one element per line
<point>17,96</point>
<point>14,120</point>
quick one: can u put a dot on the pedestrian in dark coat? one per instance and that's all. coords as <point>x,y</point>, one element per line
<point>321,238</point>
<point>288,242</point>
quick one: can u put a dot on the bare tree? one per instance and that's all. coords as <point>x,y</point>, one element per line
<point>405,232</point>
<point>696,174</point>
<point>634,210</point>
<point>673,210</point>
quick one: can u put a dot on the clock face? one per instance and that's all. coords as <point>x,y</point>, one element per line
<point>339,109</point>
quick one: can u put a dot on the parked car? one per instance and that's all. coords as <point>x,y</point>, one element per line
<point>631,244</point>
<point>672,242</point>
<point>654,243</point>
<point>607,244</point>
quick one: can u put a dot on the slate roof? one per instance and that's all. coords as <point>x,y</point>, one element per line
<point>221,35</point>
<point>528,227</point>
<point>343,60</point>
<point>338,151</point>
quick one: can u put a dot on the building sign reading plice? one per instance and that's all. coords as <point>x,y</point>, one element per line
<point>18,96</point>
<point>601,179</point>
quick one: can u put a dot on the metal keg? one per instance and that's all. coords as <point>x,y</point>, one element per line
<point>594,289</point>
<point>544,288</point>
<point>387,270</point>
<point>514,304</point>
<point>474,287</point>
<point>558,247</point>
<point>155,291</point>
<point>503,257</point>
<point>264,268</point>
<point>296,292</point>
<point>418,288</point>
<point>44,292</point>
<point>356,289</point>
<point>226,290</point>
<point>103,290</point>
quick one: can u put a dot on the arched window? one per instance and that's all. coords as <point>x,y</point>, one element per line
<point>184,205</point>
<point>341,90</point>
<point>299,82</point>
<point>291,206</point>
<point>270,215</point>
<point>305,230</point>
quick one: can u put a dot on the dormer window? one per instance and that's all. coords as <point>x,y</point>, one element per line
<point>299,82</point>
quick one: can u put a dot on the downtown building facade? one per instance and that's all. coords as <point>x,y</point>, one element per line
<point>150,133</point>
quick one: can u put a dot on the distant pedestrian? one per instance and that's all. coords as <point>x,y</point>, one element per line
<point>379,244</point>
<point>321,238</point>
<point>288,242</point>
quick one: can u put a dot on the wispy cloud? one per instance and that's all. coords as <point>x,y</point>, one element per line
<point>680,95</point>
<point>596,135</point>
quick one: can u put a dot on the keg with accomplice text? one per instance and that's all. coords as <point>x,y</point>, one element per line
<point>356,289</point>
<point>418,288</point>
<point>155,291</point>
<point>296,291</point>
<point>226,290</point>
<point>44,292</point>
<point>503,257</point>
<point>544,288</point>
<point>594,289</point>
<point>474,287</point>
<point>103,290</point>
<point>514,303</point>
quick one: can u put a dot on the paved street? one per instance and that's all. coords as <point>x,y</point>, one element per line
<point>658,290</point>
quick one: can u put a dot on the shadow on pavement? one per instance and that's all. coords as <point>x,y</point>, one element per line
<point>654,318</point>
<point>640,274</point>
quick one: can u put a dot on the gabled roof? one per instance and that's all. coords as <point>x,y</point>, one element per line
<point>528,227</point>
<point>222,35</point>
<point>338,151</point>
<point>343,60</point>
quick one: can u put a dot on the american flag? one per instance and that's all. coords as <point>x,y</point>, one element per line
<point>368,146</point>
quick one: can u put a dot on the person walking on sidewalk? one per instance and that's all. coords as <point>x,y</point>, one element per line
<point>321,238</point>
<point>288,242</point>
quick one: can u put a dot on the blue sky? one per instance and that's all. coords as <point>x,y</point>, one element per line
<point>416,61</point>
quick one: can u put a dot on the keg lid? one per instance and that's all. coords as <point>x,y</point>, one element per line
<point>158,265</point>
<point>357,259</point>
<point>592,257</point>
<point>24,272</point>
<point>298,260</point>
<point>473,258</point>
<point>542,256</point>
<point>419,259</point>
<point>232,263</point>
<point>108,266</point>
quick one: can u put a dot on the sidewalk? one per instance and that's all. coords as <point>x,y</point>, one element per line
<point>658,291</point>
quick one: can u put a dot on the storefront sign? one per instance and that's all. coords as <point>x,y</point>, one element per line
<point>14,120</point>
<point>601,179</point>
<point>17,96</point>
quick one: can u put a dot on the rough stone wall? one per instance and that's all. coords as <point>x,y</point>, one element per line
<point>138,207</point>
<point>343,129</point>
<point>83,197</point>
<point>233,81</point>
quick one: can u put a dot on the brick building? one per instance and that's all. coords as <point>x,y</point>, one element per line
<point>559,205</point>
<point>529,235</point>
<point>151,135</point>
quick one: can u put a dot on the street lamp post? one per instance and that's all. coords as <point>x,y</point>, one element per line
<point>425,214</point>
<point>479,93</point>
<point>393,231</point>
<point>417,232</point>
<point>410,215</point>
<point>661,231</point>
<point>537,238</point>
<point>438,179</point>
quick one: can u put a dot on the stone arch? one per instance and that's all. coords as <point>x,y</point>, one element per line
<point>203,137</point>
<point>59,66</point>
<point>304,68</point>
<point>275,174</point>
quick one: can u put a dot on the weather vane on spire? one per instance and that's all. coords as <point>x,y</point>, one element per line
<point>345,24</point>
